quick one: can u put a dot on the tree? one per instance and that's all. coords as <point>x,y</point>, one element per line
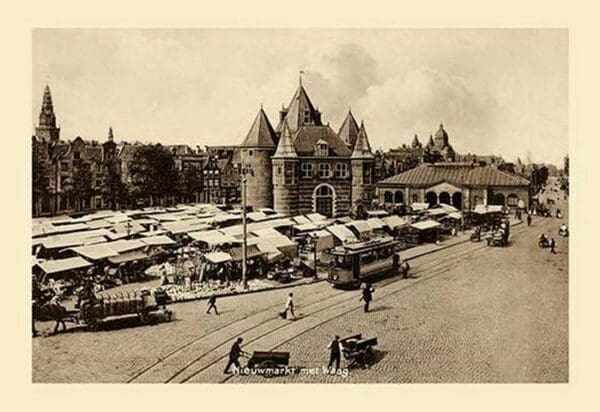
<point>190,183</point>
<point>153,173</point>
<point>80,186</point>
<point>113,190</point>
<point>40,170</point>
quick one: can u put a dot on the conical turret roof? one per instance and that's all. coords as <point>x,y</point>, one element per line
<point>261,133</point>
<point>362,148</point>
<point>349,130</point>
<point>285,147</point>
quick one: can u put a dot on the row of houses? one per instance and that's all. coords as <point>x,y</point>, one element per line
<point>60,160</point>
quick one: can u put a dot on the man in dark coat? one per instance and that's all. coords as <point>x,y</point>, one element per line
<point>552,246</point>
<point>335,350</point>
<point>212,304</point>
<point>528,220</point>
<point>234,354</point>
<point>367,296</point>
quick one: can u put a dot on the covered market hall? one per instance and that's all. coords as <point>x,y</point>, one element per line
<point>461,185</point>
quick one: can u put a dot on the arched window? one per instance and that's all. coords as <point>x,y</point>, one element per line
<point>388,197</point>
<point>398,197</point>
<point>512,200</point>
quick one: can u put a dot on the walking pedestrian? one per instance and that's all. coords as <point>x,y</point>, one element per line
<point>553,246</point>
<point>528,220</point>
<point>335,350</point>
<point>212,304</point>
<point>234,355</point>
<point>289,307</point>
<point>367,296</point>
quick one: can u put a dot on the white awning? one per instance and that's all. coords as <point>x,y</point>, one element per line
<point>316,217</point>
<point>305,227</point>
<point>377,213</point>
<point>301,220</point>
<point>95,252</point>
<point>61,265</point>
<point>361,226</point>
<point>448,208</point>
<point>419,206</point>
<point>218,257</point>
<point>395,221</point>
<point>161,240</point>
<point>121,246</point>
<point>426,224</point>
<point>436,212</point>
<point>212,237</point>
<point>341,232</point>
<point>375,223</point>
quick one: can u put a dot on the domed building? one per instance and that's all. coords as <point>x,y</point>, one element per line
<point>438,148</point>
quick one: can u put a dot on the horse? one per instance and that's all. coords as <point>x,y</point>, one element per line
<point>49,312</point>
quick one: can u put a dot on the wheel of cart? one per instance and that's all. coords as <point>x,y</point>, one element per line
<point>268,360</point>
<point>88,315</point>
<point>145,317</point>
<point>358,350</point>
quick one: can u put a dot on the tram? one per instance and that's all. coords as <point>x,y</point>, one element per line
<point>354,263</point>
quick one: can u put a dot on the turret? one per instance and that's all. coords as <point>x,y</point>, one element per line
<point>255,159</point>
<point>285,174</point>
<point>362,161</point>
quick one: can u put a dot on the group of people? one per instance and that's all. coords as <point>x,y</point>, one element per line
<point>544,242</point>
<point>335,347</point>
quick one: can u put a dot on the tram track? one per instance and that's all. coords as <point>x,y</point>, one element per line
<point>441,269</point>
<point>444,260</point>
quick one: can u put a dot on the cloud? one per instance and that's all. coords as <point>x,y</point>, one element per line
<point>416,103</point>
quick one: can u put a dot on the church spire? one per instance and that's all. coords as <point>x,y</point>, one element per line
<point>46,129</point>
<point>111,137</point>
<point>47,117</point>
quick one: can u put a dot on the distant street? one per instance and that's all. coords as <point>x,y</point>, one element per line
<point>471,314</point>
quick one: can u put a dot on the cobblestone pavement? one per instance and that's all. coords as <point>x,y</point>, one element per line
<point>472,314</point>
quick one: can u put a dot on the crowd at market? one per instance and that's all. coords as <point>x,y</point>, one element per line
<point>197,250</point>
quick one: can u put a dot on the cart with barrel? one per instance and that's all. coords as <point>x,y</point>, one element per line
<point>144,304</point>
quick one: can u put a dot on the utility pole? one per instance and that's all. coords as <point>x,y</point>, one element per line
<point>245,240</point>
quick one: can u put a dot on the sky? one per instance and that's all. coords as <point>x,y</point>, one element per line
<point>501,92</point>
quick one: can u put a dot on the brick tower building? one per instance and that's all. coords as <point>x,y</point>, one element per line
<point>255,161</point>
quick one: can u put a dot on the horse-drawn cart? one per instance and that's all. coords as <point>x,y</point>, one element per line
<point>140,303</point>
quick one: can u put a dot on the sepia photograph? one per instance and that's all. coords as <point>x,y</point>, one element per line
<point>299,205</point>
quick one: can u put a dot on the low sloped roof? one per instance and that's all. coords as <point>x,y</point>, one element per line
<point>458,174</point>
<point>61,265</point>
<point>95,252</point>
<point>426,224</point>
<point>159,240</point>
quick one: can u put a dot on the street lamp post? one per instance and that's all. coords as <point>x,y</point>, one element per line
<point>244,243</point>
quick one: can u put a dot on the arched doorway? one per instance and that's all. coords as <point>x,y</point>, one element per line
<point>445,198</point>
<point>398,197</point>
<point>498,199</point>
<point>323,198</point>
<point>388,197</point>
<point>457,200</point>
<point>431,198</point>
